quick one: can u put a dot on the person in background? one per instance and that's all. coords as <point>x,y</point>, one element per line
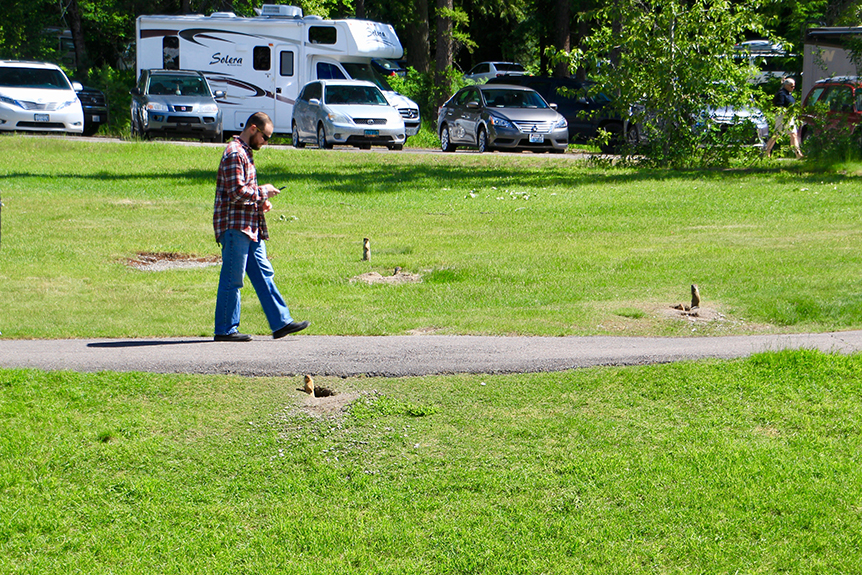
<point>785,122</point>
<point>240,229</point>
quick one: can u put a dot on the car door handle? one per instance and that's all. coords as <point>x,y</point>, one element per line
<point>278,90</point>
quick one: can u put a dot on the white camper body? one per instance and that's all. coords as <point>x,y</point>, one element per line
<point>262,63</point>
<point>826,54</point>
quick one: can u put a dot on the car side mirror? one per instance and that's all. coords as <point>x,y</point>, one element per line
<point>135,91</point>
<point>473,105</point>
<point>77,86</point>
<point>553,106</point>
<point>219,94</point>
<point>314,102</point>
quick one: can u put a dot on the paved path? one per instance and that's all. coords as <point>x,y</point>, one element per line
<point>395,356</point>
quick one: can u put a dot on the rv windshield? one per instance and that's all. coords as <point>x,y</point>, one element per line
<point>367,73</point>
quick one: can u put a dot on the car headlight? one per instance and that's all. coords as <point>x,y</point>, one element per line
<point>156,107</point>
<point>10,101</point>
<point>209,109</point>
<point>338,118</point>
<point>561,123</point>
<point>501,122</point>
<point>66,104</point>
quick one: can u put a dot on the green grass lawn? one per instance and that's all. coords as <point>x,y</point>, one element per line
<point>505,244</point>
<point>748,466</point>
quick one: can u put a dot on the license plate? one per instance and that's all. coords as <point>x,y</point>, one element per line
<point>536,138</point>
<point>372,133</point>
<point>41,117</point>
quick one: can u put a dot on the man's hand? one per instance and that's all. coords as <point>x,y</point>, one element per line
<point>267,205</point>
<point>270,190</point>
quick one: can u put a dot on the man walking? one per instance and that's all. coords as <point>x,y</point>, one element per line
<point>240,229</point>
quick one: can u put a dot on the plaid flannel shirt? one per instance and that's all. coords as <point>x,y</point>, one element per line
<point>238,198</point>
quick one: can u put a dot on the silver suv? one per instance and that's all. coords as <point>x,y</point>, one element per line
<point>175,103</point>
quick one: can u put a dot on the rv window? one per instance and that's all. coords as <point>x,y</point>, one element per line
<point>286,64</point>
<point>262,58</point>
<point>171,53</point>
<point>323,34</point>
<point>327,71</point>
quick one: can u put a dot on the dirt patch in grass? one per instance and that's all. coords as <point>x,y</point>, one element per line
<point>399,277</point>
<point>161,261</point>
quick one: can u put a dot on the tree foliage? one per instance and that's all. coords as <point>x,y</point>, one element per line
<point>666,62</point>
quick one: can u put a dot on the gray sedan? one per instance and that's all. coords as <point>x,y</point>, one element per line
<point>491,117</point>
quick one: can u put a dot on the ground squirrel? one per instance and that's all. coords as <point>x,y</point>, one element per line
<point>695,296</point>
<point>309,385</point>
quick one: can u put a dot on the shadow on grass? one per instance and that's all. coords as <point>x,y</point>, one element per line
<point>374,177</point>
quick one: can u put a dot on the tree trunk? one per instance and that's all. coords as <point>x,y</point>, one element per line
<point>562,34</point>
<point>444,48</point>
<point>73,14</point>
<point>360,9</point>
<point>417,43</point>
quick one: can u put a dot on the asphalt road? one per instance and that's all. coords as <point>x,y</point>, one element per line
<point>395,356</point>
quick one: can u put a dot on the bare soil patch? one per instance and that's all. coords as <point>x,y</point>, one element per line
<point>161,261</point>
<point>399,277</point>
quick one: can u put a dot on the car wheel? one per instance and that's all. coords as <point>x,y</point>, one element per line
<point>133,131</point>
<point>396,147</point>
<point>321,139</point>
<point>364,146</point>
<point>218,138</point>
<point>445,143</point>
<point>482,141</point>
<point>294,137</point>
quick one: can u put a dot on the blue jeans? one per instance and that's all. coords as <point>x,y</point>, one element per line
<point>239,256</point>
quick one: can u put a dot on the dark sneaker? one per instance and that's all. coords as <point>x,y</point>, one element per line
<point>292,327</point>
<point>235,336</point>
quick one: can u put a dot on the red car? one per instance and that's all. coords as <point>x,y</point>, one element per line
<point>839,97</point>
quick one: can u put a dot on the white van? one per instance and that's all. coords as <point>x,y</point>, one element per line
<point>262,63</point>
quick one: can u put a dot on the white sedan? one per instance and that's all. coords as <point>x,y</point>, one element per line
<point>347,112</point>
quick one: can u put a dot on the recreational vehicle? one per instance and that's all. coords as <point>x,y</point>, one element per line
<point>829,52</point>
<point>261,63</point>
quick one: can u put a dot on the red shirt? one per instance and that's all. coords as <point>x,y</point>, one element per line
<point>238,198</point>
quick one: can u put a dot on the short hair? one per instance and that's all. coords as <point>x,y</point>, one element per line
<point>788,81</point>
<point>259,119</point>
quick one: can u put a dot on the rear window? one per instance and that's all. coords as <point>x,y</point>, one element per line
<point>33,78</point>
<point>509,67</point>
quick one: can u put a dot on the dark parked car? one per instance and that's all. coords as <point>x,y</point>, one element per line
<point>502,117</point>
<point>586,110</point>
<point>175,103</point>
<point>95,107</point>
<point>840,98</point>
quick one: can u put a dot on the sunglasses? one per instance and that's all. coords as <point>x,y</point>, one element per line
<point>265,137</point>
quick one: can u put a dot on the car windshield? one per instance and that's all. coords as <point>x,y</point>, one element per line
<point>33,78</point>
<point>513,99</point>
<point>367,73</point>
<point>178,86</point>
<point>342,95</point>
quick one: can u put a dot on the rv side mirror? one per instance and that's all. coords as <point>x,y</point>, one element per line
<point>314,102</point>
<point>219,94</point>
<point>135,91</point>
